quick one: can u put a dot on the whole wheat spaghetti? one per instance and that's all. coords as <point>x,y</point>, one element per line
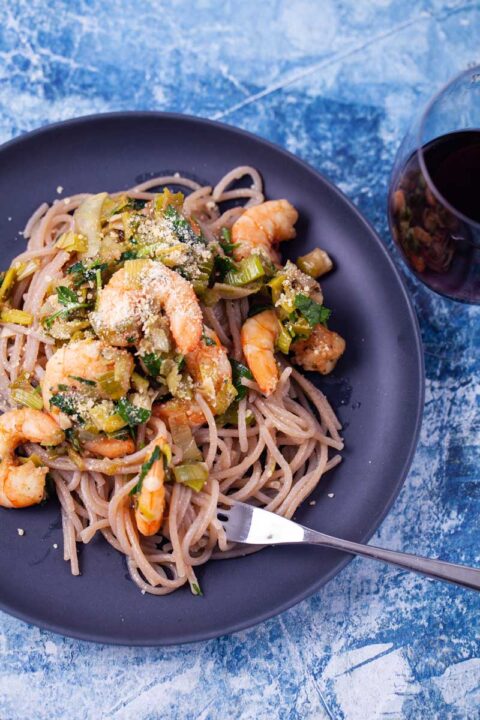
<point>266,447</point>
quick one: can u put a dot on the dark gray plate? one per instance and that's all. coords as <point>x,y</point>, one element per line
<point>377,387</point>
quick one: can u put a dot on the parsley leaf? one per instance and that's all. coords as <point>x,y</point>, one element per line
<point>65,403</point>
<point>312,311</point>
<point>239,371</point>
<point>66,296</point>
<point>222,266</point>
<point>146,467</point>
<point>92,383</point>
<point>182,228</point>
<point>208,340</point>
<point>71,435</point>
<point>132,414</point>
<point>226,243</point>
<point>128,255</point>
<point>84,272</point>
<point>180,360</point>
<point>152,362</point>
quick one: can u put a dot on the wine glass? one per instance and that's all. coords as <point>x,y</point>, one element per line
<point>434,195</point>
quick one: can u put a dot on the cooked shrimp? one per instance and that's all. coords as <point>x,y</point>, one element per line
<point>77,362</point>
<point>211,371</point>
<point>110,447</point>
<point>258,336</point>
<point>320,351</point>
<point>150,503</point>
<point>24,485</point>
<point>136,293</point>
<point>210,368</point>
<point>261,227</point>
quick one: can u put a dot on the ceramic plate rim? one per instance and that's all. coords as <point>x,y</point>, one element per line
<point>198,636</point>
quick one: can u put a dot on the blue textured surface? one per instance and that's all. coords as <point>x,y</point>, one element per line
<point>336,83</point>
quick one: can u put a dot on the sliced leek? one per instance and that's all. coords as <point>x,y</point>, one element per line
<point>28,398</point>
<point>315,263</point>
<point>8,282</point>
<point>19,317</point>
<point>193,475</point>
<point>248,270</point>
<point>72,242</point>
<point>284,340</point>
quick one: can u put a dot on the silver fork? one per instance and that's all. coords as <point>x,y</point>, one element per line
<point>255,526</point>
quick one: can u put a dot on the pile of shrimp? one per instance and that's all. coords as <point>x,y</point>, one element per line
<point>121,486</point>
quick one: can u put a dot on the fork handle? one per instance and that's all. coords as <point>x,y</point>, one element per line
<point>438,569</point>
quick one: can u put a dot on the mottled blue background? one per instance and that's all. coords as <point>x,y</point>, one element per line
<point>336,83</point>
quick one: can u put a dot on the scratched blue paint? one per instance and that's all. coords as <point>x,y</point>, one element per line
<point>335,83</point>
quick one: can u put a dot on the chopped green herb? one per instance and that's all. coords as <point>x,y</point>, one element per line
<point>147,466</point>
<point>239,371</point>
<point>98,279</point>
<point>65,403</point>
<point>132,414</point>
<point>312,311</point>
<point>180,360</point>
<point>131,339</point>
<point>85,272</point>
<point>182,228</point>
<point>92,383</point>
<point>226,243</point>
<point>196,589</point>
<point>145,469</point>
<point>128,255</point>
<point>71,435</point>
<point>152,362</point>
<point>222,266</point>
<point>208,340</point>
<point>66,296</point>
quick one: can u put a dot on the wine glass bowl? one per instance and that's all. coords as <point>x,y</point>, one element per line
<point>434,195</point>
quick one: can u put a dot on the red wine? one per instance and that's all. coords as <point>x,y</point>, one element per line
<point>441,247</point>
<point>453,162</point>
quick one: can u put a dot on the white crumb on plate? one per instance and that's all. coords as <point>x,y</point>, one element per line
<point>143,592</point>
<point>331,495</point>
<point>9,219</point>
<point>55,546</point>
<point>177,174</point>
<point>312,502</point>
<point>59,189</point>
<point>20,531</point>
